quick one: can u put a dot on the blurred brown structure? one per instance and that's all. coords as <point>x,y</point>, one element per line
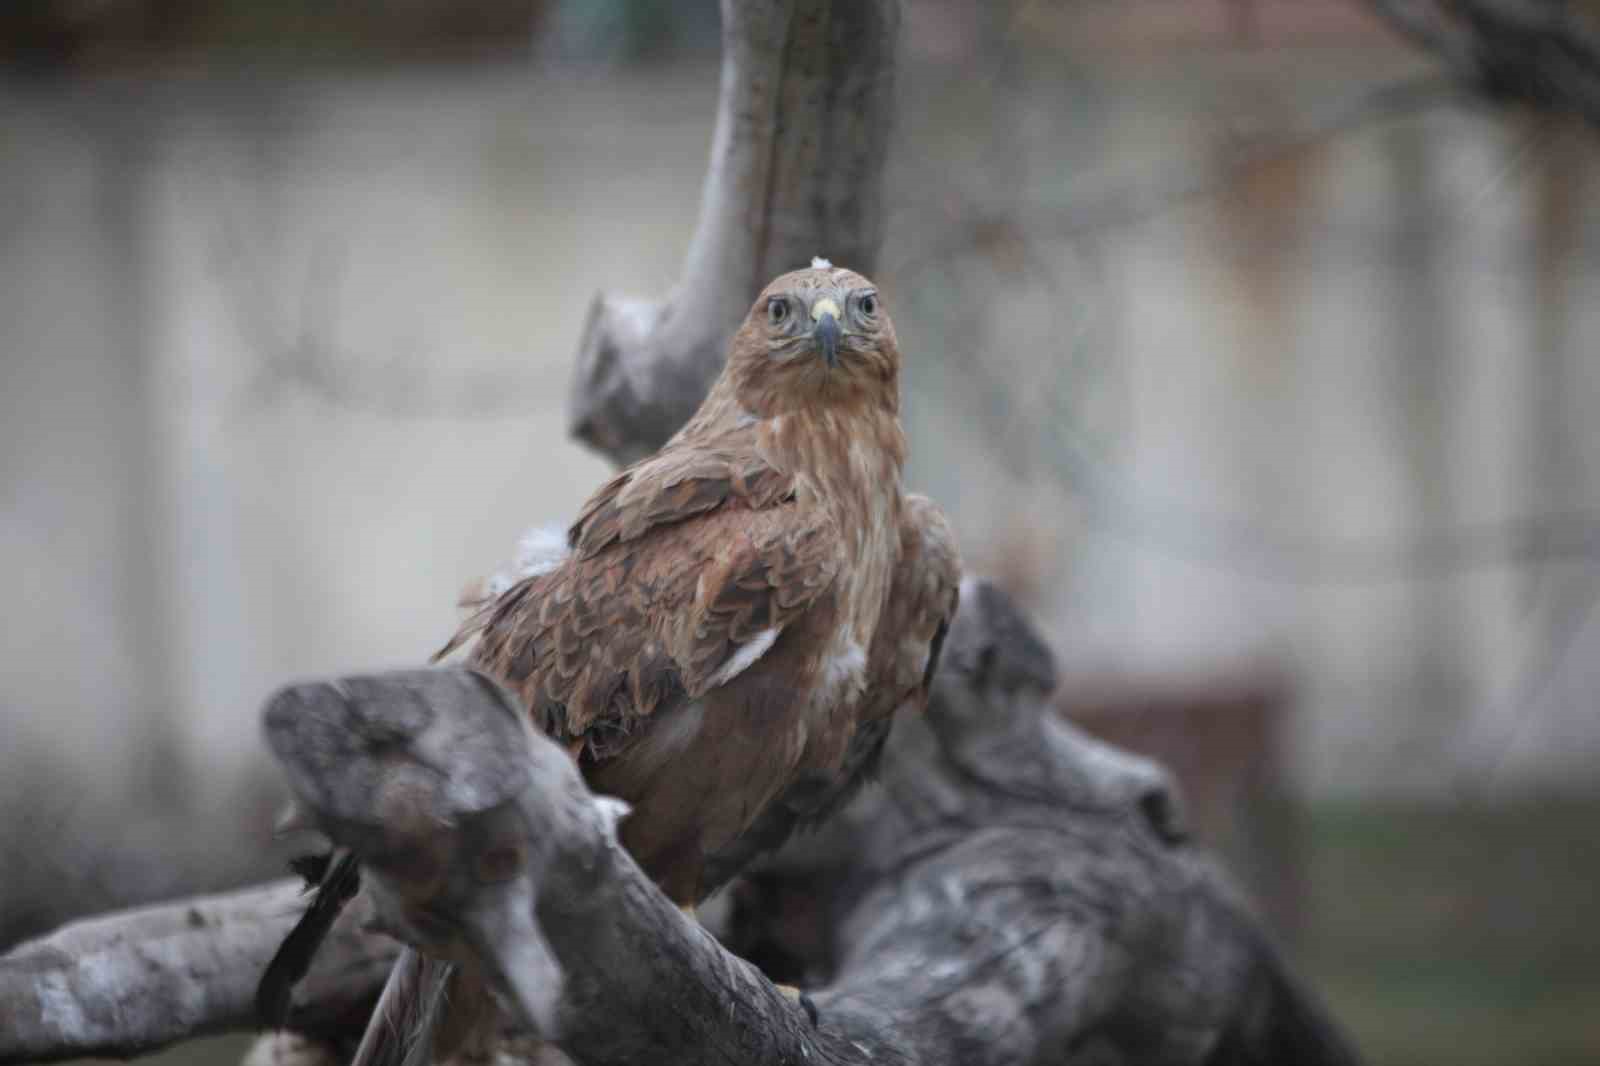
<point>1224,737</point>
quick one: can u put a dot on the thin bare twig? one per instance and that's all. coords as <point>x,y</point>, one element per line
<point>1129,201</point>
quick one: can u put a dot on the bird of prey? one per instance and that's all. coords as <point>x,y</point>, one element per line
<point>704,642</point>
<point>431,1007</point>
<point>731,621</point>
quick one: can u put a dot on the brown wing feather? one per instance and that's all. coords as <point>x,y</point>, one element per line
<point>612,637</point>
<point>928,586</point>
<point>676,485</point>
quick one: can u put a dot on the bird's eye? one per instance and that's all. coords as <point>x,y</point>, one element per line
<point>777,310</point>
<point>869,304</point>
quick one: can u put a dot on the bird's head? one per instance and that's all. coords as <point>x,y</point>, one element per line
<point>818,336</point>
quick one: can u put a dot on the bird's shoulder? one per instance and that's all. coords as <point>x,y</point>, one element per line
<point>686,479</point>
<point>923,596</point>
<point>661,612</point>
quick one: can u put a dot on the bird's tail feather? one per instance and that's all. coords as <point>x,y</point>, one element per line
<point>429,1010</point>
<point>401,1030</point>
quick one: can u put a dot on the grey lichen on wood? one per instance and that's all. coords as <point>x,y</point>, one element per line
<point>1015,892</point>
<point>375,755</point>
<point>132,982</point>
<point>1011,892</point>
<point>802,132</point>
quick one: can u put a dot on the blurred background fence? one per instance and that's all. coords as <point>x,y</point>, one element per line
<point>1250,357</point>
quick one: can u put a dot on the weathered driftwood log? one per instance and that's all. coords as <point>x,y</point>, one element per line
<point>802,131</point>
<point>134,981</point>
<point>1014,892</point>
<point>1026,893</point>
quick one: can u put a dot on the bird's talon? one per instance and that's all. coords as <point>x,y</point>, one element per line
<point>811,1010</point>
<point>793,993</point>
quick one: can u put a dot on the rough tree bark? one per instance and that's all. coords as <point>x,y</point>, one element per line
<point>1540,52</point>
<point>796,168</point>
<point>1014,892</point>
<point>135,981</point>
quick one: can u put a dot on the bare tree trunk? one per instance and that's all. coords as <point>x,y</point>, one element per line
<point>796,171</point>
<point>1013,893</point>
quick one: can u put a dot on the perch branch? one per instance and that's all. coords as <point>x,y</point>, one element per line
<point>1013,892</point>
<point>129,983</point>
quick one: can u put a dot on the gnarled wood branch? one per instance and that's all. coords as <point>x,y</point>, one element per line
<point>132,982</point>
<point>796,169</point>
<point>1013,892</point>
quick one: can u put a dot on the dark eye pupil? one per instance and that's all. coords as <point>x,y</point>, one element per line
<point>868,305</point>
<point>778,310</point>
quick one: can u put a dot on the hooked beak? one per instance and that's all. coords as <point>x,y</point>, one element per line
<point>825,313</point>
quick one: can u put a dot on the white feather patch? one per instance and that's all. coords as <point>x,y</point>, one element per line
<point>612,811</point>
<point>541,550</point>
<point>819,263</point>
<point>846,669</point>
<point>745,657</point>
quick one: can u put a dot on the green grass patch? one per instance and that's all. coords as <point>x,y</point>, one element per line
<point>1459,934</point>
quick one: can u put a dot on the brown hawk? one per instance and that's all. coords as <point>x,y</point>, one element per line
<point>730,623</point>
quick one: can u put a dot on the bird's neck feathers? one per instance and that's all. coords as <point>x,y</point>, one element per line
<point>842,444</point>
<point>848,458</point>
<point>765,390</point>
<point>856,430</point>
<point>719,413</point>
